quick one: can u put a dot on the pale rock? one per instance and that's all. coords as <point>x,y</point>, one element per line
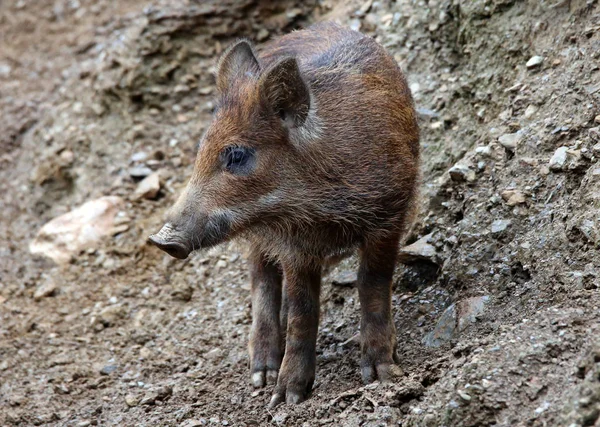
<point>131,400</point>
<point>46,289</point>
<point>344,278</point>
<point>419,250</point>
<point>464,396</point>
<point>98,109</point>
<point>500,226</point>
<point>82,228</point>
<point>149,187</point>
<point>111,314</point>
<point>67,157</point>
<point>530,111</point>
<point>139,172</point>
<point>510,140</point>
<point>181,88</point>
<point>355,24</point>
<point>140,156</point>
<point>294,13</point>
<point>415,87</point>
<point>534,61</point>
<point>108,369</point>
<point>427,114</point>
<point>558,159</point>
<point>5,70</point>
<point>485,151</point>
<point>460,173</point>
<point>262,35</point>
<point>387,19</point>
<point>513,197</point>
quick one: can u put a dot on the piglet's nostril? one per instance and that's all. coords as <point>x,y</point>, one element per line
<point>175,249</point>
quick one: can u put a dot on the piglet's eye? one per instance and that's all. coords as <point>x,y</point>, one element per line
<point>238,160</point>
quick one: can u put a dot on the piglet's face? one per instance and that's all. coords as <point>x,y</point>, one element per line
<point>247,159</point>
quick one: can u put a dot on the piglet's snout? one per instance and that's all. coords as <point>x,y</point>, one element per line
<point>169,240</point>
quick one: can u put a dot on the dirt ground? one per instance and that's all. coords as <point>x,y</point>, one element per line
<point>508,94</point>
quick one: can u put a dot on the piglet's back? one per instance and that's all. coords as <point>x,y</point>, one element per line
<point>368,128</point>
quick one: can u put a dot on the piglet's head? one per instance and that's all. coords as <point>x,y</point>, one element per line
<point>247,167</point>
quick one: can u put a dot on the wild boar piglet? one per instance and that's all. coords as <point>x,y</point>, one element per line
<point>313,152</point>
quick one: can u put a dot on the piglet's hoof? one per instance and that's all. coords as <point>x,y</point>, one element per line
<point>384,372</point>
<point>263,377</point>
<point>292,390</point>
<point>292,397</point>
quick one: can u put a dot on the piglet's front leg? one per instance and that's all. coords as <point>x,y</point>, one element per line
<point>265,337</point>
<point>297,373</point>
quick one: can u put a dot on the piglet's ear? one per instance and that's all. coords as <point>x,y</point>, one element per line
<point>285,91</point>
<point>237,61</point>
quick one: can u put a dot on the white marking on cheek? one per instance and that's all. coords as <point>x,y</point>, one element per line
<point>270,199</point>
<point>311,129</point>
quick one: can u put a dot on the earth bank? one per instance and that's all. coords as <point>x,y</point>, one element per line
<point>496,304</point>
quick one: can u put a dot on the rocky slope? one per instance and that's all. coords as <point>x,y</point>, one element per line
<point>497,305</point>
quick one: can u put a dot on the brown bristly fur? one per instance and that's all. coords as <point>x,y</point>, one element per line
<point>331,120</point>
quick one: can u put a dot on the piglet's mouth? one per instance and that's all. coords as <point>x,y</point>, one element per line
<point>179,242</point>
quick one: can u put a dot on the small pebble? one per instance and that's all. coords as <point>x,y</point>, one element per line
<point>461,173</point>
<point>513,197</point>
<point>140,156</point>
<point>510,140</point>
<point>262,35</point>
<point>530,111</point>
<point>464,396</point>
<point>484,151</point>
<point>500,225</point>
<point>344,278</point>
<point>47,289</point>
<point>559,159</point>
<point>140,172</point>
<point>131,400</point>
<point>534,61</point>
<point>149,187</point>
<point>108,369</point>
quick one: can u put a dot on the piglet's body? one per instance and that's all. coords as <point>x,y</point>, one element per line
<point>313,152</point>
